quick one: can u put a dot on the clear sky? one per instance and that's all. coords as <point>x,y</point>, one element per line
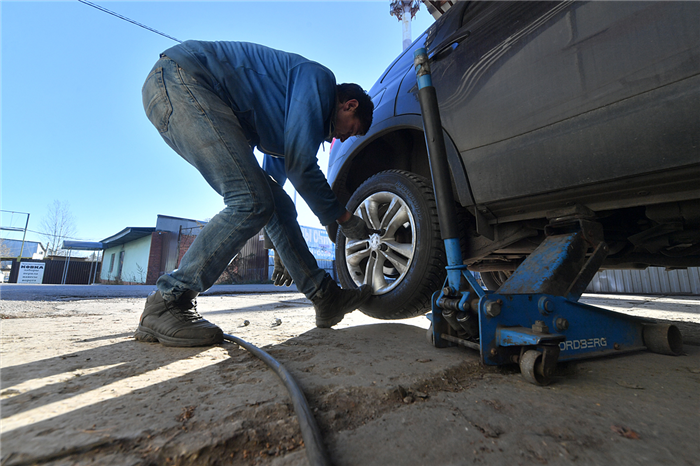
<point>73,127</point>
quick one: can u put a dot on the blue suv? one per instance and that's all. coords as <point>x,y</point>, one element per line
<point>547,109</point>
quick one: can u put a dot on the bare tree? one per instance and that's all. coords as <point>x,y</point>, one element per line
<point>56,226</point>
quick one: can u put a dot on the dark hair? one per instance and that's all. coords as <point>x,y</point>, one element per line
<point>365,108</point>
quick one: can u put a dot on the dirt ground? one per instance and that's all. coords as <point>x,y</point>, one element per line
<point>78,389</point>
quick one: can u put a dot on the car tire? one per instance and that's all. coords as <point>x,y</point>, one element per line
<point>494,280</point>
<point>405,262</point>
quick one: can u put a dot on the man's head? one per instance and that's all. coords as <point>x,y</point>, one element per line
<point>354,113</point>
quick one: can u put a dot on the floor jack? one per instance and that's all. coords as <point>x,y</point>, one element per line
<point>534,319</point>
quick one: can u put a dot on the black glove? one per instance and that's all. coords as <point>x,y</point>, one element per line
<point>280,276</point>
<point>355,228</point>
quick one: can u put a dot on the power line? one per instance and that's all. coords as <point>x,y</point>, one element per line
<point>43,233</point>
<point>127,19</point>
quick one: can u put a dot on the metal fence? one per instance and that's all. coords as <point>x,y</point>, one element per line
<point>55,272</point>
<point>249,266</point>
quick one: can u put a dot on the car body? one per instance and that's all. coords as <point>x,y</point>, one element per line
<point>547,108</point>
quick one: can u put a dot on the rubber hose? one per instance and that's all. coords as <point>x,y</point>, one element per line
<point>313,441</point>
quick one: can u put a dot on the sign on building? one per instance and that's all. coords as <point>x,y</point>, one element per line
<point>319,243</point>
<point>31,272</point>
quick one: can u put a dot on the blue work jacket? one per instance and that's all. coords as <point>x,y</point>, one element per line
<point>285,103</point>
<point>275,168</point>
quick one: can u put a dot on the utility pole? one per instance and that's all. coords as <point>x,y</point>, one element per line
<point>405,11</point>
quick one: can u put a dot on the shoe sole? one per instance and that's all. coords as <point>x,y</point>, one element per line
<point>147,335</point>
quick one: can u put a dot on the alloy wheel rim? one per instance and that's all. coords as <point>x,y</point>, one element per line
<point>384,259</point>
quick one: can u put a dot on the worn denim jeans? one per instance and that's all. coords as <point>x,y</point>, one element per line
<point>203,129</point>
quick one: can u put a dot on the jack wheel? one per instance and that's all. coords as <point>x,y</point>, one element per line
<point>663,339</point>
<point>532,368</point>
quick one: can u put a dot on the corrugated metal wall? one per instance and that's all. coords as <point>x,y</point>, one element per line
<point>652,280</point>
<point>249,265</point>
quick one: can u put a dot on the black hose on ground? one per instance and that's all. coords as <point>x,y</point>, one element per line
<point>313,441</point>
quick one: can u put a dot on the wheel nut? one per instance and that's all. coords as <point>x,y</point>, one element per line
<point>562,324</point>
<point>545,305</point>
<point>540,327</point>
<point>493,308</point>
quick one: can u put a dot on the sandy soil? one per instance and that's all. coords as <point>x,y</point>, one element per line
<point>78,389</point>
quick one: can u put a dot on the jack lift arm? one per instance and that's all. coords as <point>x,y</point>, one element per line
<point>534,319</point>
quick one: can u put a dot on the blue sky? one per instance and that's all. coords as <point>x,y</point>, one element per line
<point>73,127</point>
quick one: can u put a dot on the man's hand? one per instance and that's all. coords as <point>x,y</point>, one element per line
<point>354,228</point>
<point>280,276</point>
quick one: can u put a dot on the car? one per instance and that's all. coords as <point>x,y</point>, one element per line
<point>548,109</point>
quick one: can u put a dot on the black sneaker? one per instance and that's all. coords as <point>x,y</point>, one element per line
<point>332,302</point>
<point>176,323</point>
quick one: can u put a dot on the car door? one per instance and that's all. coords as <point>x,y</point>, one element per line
<point>539,97</point>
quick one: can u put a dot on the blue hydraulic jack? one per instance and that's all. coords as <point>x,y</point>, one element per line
<point>534,319</point>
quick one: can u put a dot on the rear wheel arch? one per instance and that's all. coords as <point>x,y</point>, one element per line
<point>400,149</point>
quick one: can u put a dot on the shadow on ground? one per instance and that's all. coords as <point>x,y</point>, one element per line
<point>380,393</point>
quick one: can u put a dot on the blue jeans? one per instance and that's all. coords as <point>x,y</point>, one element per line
<point>203,130</point>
